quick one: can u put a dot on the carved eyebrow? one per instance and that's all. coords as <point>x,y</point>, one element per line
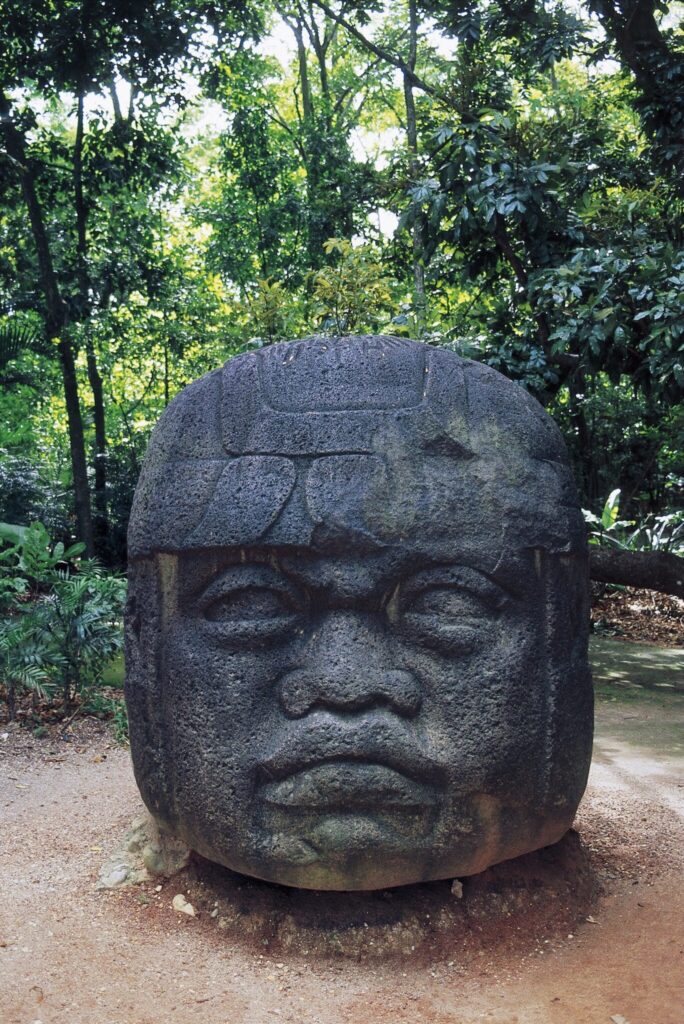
<point>464,577</point>
<point>237,575</point>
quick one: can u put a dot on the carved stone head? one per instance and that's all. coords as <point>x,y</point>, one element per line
<point>357,623</point>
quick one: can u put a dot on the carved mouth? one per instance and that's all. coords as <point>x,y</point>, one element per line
<point>348,785</point>
<point>378,739</point>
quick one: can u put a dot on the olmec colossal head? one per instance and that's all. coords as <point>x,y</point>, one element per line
<point>357,625</point>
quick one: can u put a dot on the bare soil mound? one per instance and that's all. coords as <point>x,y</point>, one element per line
<point>504,907</point>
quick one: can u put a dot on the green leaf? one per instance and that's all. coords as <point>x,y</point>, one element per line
<point>11,533</point>
<point>611,509</point>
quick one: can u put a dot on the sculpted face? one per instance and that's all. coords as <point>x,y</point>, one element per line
<point>356,647</point>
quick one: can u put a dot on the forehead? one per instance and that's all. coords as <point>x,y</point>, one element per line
<point>360,501</point>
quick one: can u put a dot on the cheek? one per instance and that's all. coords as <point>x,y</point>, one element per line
<point>483,705</point>
<point>218,711</point>
<point>217,701</point>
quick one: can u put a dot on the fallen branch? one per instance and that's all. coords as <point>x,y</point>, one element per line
<point>652,570</point>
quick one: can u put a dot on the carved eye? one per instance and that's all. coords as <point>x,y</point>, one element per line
<point>253,603</point>
<point>447,602</point>
<point>452,610</point>
<point>251,606</point>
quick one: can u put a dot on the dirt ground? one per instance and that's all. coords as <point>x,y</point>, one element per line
<point>611,951</point>
<point>641,616</point>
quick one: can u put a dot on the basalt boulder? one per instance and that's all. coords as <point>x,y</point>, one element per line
<point>356,634</point>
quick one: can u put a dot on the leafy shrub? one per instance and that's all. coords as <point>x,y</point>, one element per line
<point>34,489</point>
<point>354,293</point>
<point>654,533</point>
<point>61,618</point>
<point>79,620</point>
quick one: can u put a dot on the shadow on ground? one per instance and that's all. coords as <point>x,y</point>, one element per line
<point>552,887</point>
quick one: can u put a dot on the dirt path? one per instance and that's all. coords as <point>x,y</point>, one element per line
<point>71,955</point>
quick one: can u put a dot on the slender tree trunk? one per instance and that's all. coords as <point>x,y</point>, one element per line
<point>418,230</point>
<point>166,371</point>
<point>77,446</point>
<point>314,239</point>
<point>320,47</point>
<point>94,377</point>
<point>56,322</point>
<point>11,700</point>
<point>576,387</point>
<point>100,495</point>
<point>116,105</point>
<point>66,692</point>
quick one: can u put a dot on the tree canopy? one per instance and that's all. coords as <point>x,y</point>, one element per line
<point>183,181</point>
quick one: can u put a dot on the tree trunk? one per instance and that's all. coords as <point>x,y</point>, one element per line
<point>311,156</point>
<point>577,386</point>
<point>100,495</point>
<point>638,39</point>
<point>55,322</point>
<point>418,230</point>
<point>653,570</point>
<point>11,700</point>
<point>94,377</point>
<point>320,47</point>
<point>656,63</point>
<point>77,446</point>
<point>66,692</point>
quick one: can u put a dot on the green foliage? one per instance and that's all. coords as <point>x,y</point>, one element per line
<point>80,620</point>
<point>33,553</point>
<point>61,621</point>
<point>624,309</point>
<point>542,197</point>
<point>25,661</point>
<point>273,312</point>
<point>233,195</point>
<point>654,533</point>
<point>61,46</point>
<point>354,294</point>
<point>16,335</point>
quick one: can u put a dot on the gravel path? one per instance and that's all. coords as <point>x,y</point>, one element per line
<point>71,955</point>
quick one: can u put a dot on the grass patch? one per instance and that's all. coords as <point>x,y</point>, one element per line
<point>627,693</point>
<point>113,675</point>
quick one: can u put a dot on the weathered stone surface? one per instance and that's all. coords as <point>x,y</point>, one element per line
<point>357,622</point>
<point>146,851</point>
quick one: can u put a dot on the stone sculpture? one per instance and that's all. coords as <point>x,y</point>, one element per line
<point>357,622</point>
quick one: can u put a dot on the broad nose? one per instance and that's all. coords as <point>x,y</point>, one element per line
<point>348,667</point>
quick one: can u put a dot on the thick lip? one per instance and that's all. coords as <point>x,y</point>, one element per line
<point>348,784</point>
<point>381,739</point>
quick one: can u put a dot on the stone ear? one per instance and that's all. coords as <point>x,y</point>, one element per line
<point>570,692</point>
<point>144,676</point>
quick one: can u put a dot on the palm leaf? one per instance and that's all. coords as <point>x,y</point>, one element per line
<point>16,337</point>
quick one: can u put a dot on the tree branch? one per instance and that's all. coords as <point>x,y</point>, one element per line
<point>116,105</point>
<point>653,570</point>
<point>379,51</point>
<point>569,361</point>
